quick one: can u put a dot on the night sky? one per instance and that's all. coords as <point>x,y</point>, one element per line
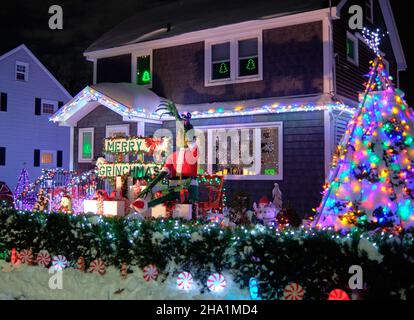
<point>26,21</point>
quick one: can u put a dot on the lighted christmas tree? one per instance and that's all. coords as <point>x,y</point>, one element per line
<point>371,182</point>
<point>23,183</point>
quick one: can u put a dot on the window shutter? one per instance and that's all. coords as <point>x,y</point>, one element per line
<point>36,160</point>
<point>38,106</point>
<point>60,104</point>
<point>59,159</point>
<point>2,156</point>
<point>3,102</point>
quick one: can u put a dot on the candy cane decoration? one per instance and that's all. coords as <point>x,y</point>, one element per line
<point>80,264</point>
<point>59,262</point>
<point>97,266</point>
<point>184,281</point>
<point>14,256</point>
<point>216,282</point>
<point>26,256</point>
<point>293,291</point>
<point>338,294</point>
<point>43,258</point>
<point>150,272</point>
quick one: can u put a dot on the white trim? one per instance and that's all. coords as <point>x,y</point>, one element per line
<point>328,138</point>
<point>355,40</point>
<point>141,128</point>
<point>234,59</point>
<point>393,34</point>
<point>37,61</point>
<point>327,56</point>
<point>95,70</point>
<point>26,70</point>
<point>211,33</point>
<point>369,17</point>
<point>71,148</point>
<point>80,143</point>
<point>257,148</point>
<point>47,101</point>
<point>134,57</point>
<point>119,127</point>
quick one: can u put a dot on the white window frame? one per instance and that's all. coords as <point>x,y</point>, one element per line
<point>256,147</point>
<point>55,106</point>
<point>234,59</point>
<point>26,73</point>
<point>118,127</point>
<point>80,144</point>
<point>369,4</point>
<point>354,39</point>
<point>48,165</point>
<point>134,57</point>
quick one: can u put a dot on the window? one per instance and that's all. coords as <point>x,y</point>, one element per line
<point>85,146</point>
<point>352,48</point>
<point>2,156</point>
<point>233,60</point>
<point>49,107</point>
<point>3,101</point>
<point>143,74</point>
<point>253,152</point>
<point>248,57</point>
<point>369,10</point>
<point>220,61</point>
<point>22,71</point>
<point>47,158</point>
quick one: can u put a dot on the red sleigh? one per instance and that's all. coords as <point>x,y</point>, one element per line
<point>210,191</point>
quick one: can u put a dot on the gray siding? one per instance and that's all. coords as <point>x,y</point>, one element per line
<point>99,118</point>
<point>292,65</point>
<point>303,158</point>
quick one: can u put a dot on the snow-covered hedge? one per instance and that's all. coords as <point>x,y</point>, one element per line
<point>319,260</point>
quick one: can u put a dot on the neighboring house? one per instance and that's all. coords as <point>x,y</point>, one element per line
<point>290,71</point>
<point>29,96</point>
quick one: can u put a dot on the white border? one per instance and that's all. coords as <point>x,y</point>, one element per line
<point>80,142</point>
<point>257,125</point>
<point>234,59</point>
<point>53,164</point>
<point>134,57</point>
<point>355,40</point>
<point>55,106</point>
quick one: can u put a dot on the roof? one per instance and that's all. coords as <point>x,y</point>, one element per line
<point>37,61</point>
<point>193,15</point>
<point>127,99</point>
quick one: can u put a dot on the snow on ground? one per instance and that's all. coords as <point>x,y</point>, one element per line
<point>32,282</point>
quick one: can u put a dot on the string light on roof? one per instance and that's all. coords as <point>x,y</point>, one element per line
<point>373,39</point>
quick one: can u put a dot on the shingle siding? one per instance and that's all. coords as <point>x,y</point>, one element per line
<point>303,158</point>
<point>292,65</point>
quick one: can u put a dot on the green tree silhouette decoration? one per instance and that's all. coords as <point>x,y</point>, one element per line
<point>250,64</point>
<point>223,68</point>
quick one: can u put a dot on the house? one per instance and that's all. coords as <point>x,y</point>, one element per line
<point>30,94</point>
<point>288,71</point>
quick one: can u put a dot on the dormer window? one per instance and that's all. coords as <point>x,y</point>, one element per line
<point>22,71</point>
<point>352,48</point>
<point>142,69</point>
<point>233,60</point>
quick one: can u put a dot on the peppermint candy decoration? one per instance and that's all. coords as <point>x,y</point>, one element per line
<point>338,294</point>
<point>59,262</point>
<point>150,272</point>
<point>216,282</point>
<point>97,266</point>
<point>185,281</point>
<point>80,264</point>
<point>26,256</point>
<point>293,291</point>
<point>43,258</point>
